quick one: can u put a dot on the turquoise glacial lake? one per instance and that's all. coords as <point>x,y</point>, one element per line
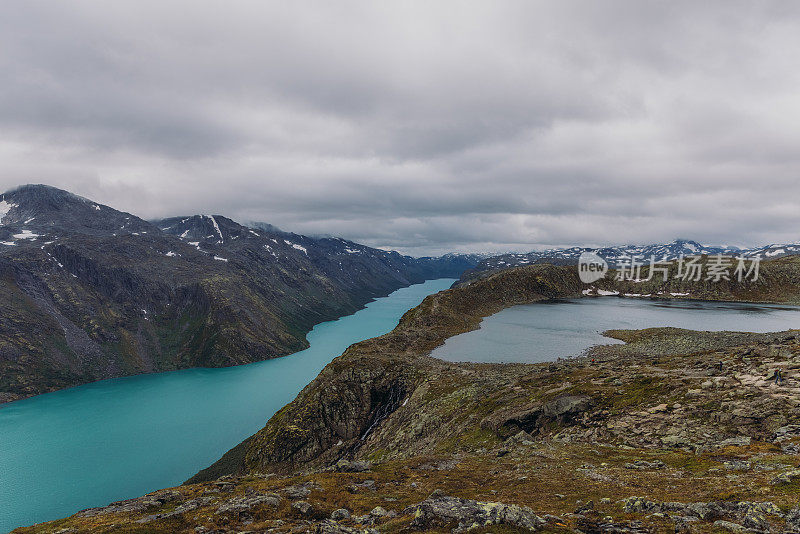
<point>116,439</point>
<point>546,331</point>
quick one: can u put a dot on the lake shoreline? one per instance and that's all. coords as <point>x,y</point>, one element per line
<point>87,441</point>
<point>566,328</point>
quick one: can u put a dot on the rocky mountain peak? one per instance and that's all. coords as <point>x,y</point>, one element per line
<point>38,211</point>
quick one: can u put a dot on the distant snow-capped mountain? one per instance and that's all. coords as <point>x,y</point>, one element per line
<point>616,255</point>
<point>775,250</point>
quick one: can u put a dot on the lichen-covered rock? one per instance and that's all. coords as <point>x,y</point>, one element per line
<point>786,478</point>
<point>358,466</point>
<point>755,520</point>
<point>188,506</point>
<point>644,464</point>
<point>303,507</point>
<point>248,502</point>
<point>766,508</point>
<point>731,527</point>
<point>340,514</point>
<point>586,524</point>
<point>752,515</point>
<point>297,491</point>
<point>134,505</point>
<point>641,505</point>
<point>332,527</point>
<point>379,511</point>
<point>468,514</point>
<point>793,520</point>
<point>737,465</point>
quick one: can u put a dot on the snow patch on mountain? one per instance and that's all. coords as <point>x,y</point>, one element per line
<point>5,207</point>
<point>617,255</point>
<point>296,246</point>
<point>26,234</point>
<point>216,227</point>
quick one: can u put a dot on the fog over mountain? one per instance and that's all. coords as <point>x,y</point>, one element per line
<point>424,127</point>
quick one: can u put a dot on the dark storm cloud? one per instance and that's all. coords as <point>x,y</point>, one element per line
<point>416,125</point>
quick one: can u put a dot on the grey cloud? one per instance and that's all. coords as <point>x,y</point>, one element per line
<point>420,126</point>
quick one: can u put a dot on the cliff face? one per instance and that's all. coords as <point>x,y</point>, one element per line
<point>89,292</point>
<point>673,431</point>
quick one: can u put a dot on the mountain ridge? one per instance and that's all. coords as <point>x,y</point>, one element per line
<point>90,292</point>
<point>615,255</point>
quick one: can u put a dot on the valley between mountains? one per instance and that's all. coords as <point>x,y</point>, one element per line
<point>673,431</point>
<point>88,292</point>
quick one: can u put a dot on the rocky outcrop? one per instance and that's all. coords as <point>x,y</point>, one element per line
<point>466,515</point>
<point>135,505</point>
<point>732,516</point>
<point>565,410</point>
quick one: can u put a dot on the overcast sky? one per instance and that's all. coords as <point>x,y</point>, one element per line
<point>420,126</point>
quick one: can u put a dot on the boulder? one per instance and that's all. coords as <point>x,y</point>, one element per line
<point>340,514</point>
<point>302,506</point>
<point>358,466</point>
<point>248,502</point>
<point>468,514</point>
<point>297,491</point>
<point>644,464</point>
<point>731,527</point>
<point>567,410</point>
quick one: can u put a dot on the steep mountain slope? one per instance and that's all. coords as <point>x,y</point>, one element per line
<point>89,292</point>
<point>357,269</point>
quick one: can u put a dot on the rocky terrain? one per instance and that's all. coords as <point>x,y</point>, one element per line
<point>673,431</point>
<point>88,292</point>
<point>778,281</point>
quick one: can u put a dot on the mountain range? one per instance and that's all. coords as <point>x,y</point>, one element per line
<point>88,292</point>
<point>615,255</point>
